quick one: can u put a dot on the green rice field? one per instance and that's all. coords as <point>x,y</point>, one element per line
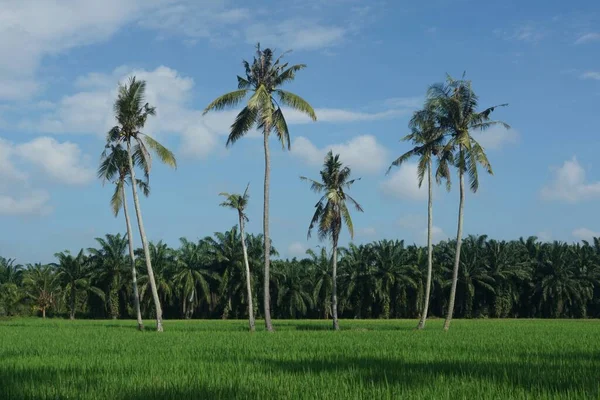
<point>476,359</point>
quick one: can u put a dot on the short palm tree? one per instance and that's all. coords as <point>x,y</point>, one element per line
<point>42,286</point>
<point>454,106</point>
<point>331,212</point>
<point>131,112</point>
<point>428,140</point>
<point>114,167</point>
<point>75,274</point>
<point>264,78</point>
<point>239,202</point>
<point>192,275</point>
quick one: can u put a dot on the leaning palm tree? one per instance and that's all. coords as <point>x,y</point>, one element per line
<point>264,78</point>
<point>239,202</point>
<point>114,167</point>
<point>428,140</point>
<point>131,112</point>
<point>454,105</point>
<point>331,211</point>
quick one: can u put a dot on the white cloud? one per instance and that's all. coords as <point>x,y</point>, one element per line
<point>403,183</point>
<point>362,153</point>
<point>544,236</point>
<point>410,103</point>
<point>585,234</point>
<point>296,249</point>
<point>528,32</point>
<point>417,226</point>
<point>63,162</point>
<point>368,231</point>
<point>569,184</point>
<point>8,171</point>
<point>588,37</point>
<point>33,203</point>
<point>32,29</point>
<point>336,115</point>
<point>591,75</point>
<point>297,34</point>
<point>496,137</point>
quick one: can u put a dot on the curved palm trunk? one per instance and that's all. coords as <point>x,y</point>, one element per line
<point>136,202</point>
<point>457,255</point>
<point>248,283</point>
<point>334,311</point>
<point>136,294</point>
<point>429,251</point>
<point>267,294</point>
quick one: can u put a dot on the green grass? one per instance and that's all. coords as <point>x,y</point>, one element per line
<point>478,359</point>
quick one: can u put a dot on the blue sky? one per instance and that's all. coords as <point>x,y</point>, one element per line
<point>369,65</point>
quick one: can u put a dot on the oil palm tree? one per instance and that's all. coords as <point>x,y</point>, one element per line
<point>164,264</point>
<point>42,286</point>
<point>110,264</point>
<point>321,283</point>
<point>454,106</point>
<point>75,274</point>
<point>192,275</point>
<point>239,202</point>
<point>264,79</point>
<point>114,167</point>
<point>428,141</point>
<point>131,112</point>
<point>331,212</point>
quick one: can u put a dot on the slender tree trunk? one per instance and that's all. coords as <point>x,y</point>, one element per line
<point>44,312</point>
<point>248,282</point>
<point>136,202</point>
<point>457,255</point>
<point>429,250</point>
<point>267,277</point>
<point>72,302</point>
<point>334,308</point>
<point>136,293</point>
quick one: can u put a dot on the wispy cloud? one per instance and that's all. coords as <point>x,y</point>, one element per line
<point>585,234</point>
<point>497,137</point>
<point>595,75</point>
<point>588,37</point>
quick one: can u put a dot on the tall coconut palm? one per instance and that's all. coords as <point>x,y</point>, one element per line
<point>131,112</point>
<point>331,212</point>
<point>454,106</point>
<point>114,167</point>
<point>264,79</point>
<point>428,140</point>
<point>239,202</point>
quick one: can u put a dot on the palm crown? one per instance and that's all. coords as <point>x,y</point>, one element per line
<point>331,209</point>
<point>237,202</point>
<point>454,106</point>
<point>264,78</point>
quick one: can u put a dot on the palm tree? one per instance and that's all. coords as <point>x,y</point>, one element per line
<point>111,268</point>
<point>131,113</point>
<point>114,166</point>
<point>322,283</point>
<point>264,78</point>
<point>164,265</point>
<point>428,141</point>
<point>454,106</point>
<point>42,286</point>
<point>192,275</point>
<point>75,274</point>
<point>239,203</point>
<point>11,277</point>
<point>331,211</point>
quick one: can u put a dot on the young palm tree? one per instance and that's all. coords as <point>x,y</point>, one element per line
<point>131,114</point>
<point>192,275</point>
<point>264,78</point>
<point>428,141</point>
<point>239,202</point>
<point>454,105</point>
<point>42,286</point>
<point>114,167</point>
<point>331,211</point>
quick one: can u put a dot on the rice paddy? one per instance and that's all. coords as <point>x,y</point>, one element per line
<point>476,359</point>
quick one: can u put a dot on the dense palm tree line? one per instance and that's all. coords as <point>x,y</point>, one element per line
<point>386,279</point>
